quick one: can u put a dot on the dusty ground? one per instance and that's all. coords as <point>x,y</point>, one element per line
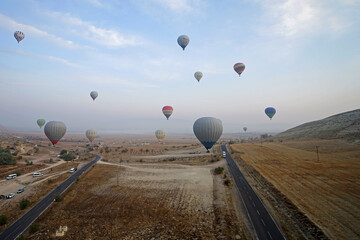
<point>324,191</point>
<point>144,201</point>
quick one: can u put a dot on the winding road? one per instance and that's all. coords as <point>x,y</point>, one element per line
<point>22,223</point>
<point>264,225</point>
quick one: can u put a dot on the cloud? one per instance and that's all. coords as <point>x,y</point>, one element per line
<point>176,5</point>
<point>8,23</point>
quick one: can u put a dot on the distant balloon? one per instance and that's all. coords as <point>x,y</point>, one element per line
<point>167,111</point>
<point>93,95</point>
<point>54,130</point>
<point>91,134</point>
<point>19,36</point>
<point>270,111</point>
<point>208,130</point>
<point>239,68</point>
<point>245,129</point>
<point>183,41</point>
<point>160,135</point>
<point>198,76</point>
<point>41,122</point>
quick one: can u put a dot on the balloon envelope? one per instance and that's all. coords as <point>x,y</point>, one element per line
<point>167,111</point>
<point>54,130</point>
<point>19,36</point>
<point>160,135</point>
<point>239,68</point>
<point>183,41</point>
<point>93,95</point>
<point>208,130</point>
<point>270,112</point>
<point>40,122</point>
<point>198,76</point>
<point>245,129</point>
<point>91,134</point>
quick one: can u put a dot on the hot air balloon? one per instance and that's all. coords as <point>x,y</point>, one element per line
<point>160,135</point>
<point>167,111</point>
<point>93,95</point>
<point>198,76</point>
<point>19,36</point>
<point>40,122</point>
<point>239,68</point>
<point>91,134</point>
<point>270,111</point>
<point>183,41</point>
<point>245,129</point>
<point>208,130</point>
<point>54,130</point>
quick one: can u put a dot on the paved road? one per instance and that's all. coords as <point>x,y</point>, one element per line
<point>264,225</point>
<point>22,223</point>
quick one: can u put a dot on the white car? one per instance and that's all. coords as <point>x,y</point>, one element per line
<point>11,195</point>
<point>11,176</point>
<point>224,154</point>
<point>72,170</point>
<point>37,174</point>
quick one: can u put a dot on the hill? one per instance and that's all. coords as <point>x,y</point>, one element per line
<point>4,131</point>
<point>343,125</point>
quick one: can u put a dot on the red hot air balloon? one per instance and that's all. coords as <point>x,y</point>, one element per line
<point>167,111</point>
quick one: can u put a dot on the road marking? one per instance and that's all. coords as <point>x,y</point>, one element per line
<point>269,234</point>
<point>263,222</point>
<point>254,204</point>
<point>258,212</point>
<point>250,197</point>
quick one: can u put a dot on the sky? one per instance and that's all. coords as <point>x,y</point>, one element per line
<point>302,57</point>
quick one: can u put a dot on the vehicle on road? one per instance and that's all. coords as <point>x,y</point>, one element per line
<point>224,154</point>
<point>72,170</point>
<point>20,190</point>
<point>11,195</point>
<point>37,174</point>
<point>11,176</point>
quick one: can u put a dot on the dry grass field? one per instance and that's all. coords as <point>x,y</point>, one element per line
<point>144,201</point>
<point>326,191</point>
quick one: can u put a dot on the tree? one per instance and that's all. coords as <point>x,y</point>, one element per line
<point>3,220</point>
<point>63,152</point>
<point>6,158</point>
<point>24,204</point>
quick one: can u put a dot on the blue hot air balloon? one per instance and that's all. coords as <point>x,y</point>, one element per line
<point>270,111</point>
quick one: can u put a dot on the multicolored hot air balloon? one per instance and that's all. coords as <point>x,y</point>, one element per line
<point>91,134</point>
<point>19,36</point>
<point>93,95</point>
<point>55,130</point>
<point>270,111</point>
<point>40,122</point>
<point>198,76</point>
<point>245,129</point>
<point>208,130</point>
<point>239,68</point>
<point>167,111</point>
<point>160,135</point>
<point>183,41</point>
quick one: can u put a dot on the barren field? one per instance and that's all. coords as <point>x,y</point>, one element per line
<point>144,201</point>
<point>326,191</point>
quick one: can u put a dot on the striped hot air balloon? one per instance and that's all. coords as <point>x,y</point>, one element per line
<point>239,68</point>
<point>270,112</point>
<point>91,134</point>
<point>167,111</point>
<point>208,130</point>
<point>160,135</point>
<point>19,36</point>
<point>55,130</point>
<point>183,41</point>
<point>40,122</point>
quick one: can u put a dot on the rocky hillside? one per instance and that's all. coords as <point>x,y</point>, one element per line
<point>343,125</point>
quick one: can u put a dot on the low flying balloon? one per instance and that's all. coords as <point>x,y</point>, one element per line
<point>19,36</point>
<point>55,130</point>
<point>167,111</point>
<point>270,112</point>
<point>208,130</point>
<point>40,122</point>
<point>160,135</point>
<point>198,76</point>
<point>93,95</point>
<point>245,129</point>
<point>91,134</point>
<point>183,41</point>
<point>239,68</point>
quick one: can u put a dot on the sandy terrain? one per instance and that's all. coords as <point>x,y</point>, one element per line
<point>325,191</point>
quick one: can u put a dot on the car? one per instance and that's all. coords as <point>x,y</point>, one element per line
<point>224,154</point>
<point>20,190</point>
<point>11,176</point>
<point>11,195</point>
<point>72,170</point>
<point>37,174</point>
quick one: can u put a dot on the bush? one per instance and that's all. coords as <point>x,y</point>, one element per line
<point>63,152</point>
<point>3,220</point>
<point>19,157</point>
<point>28,162</point>
<point>17,172</point>
<point>24,204</point>
<point>6,158</point>
<point>22,237</point>
<point>58,198</point>
<point>36,150</point>
<point>219,170</point>
<point>227,182</point>
<point>50,181</point>
<point>34,228</point>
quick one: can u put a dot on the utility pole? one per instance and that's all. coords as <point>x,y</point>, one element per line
<point>317,153</point>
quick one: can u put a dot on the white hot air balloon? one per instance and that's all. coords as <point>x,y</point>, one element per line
<point>208,130</point>
<point>55,130</point>
<point>198,76</point>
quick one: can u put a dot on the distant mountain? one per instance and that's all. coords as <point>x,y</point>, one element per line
<point>343,125</point>
<point>4,131</point>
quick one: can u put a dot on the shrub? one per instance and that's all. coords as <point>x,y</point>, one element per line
<point>58,198</point>
<point>24,204</point>
<point>227,182</point>
<point>22,237</point>
<point>219,170</point>
<point>36,150</point>
<point>17,172</point>
<point>147,150</point>
<point>34,228</point>
<point>19,157</point>
<point>50,181</point>
<point>6,158</point>
<point>51,160</point>
<point>63,152</point>
<point>3,220</point>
